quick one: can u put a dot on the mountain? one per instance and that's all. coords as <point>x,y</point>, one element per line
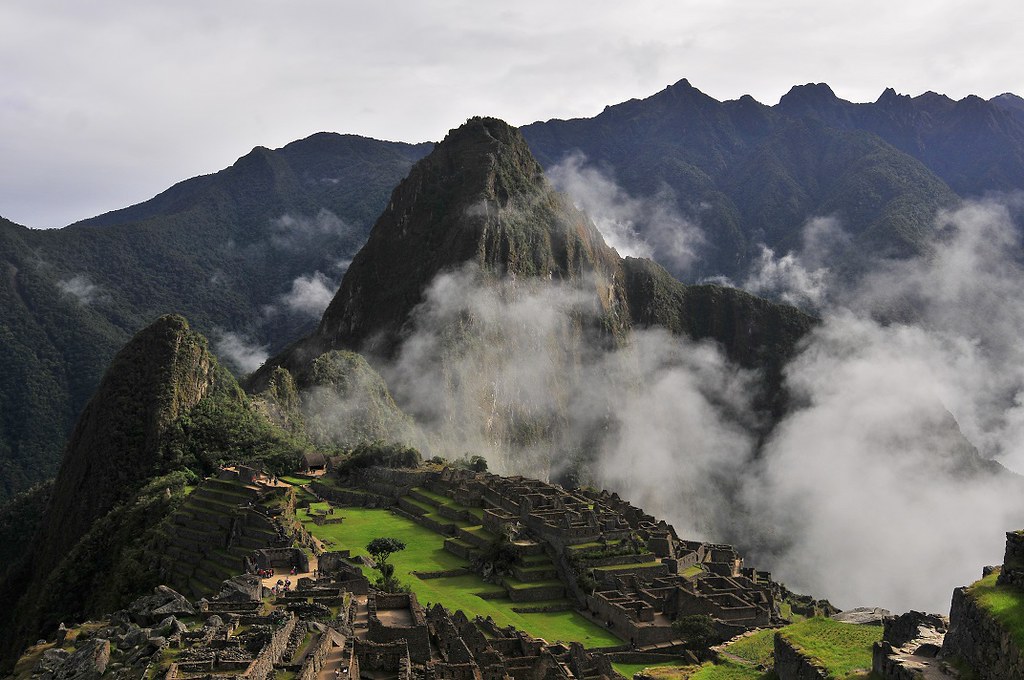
<point>164,412</point>
<point>477,227</point>
<point>253,253</point>
<point>747,173</point>
<point>238,251</point>
<point>478,198</point>
<point>973,145</point>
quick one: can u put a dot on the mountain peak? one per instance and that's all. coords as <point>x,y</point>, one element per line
<point>479,198</point>
<point>811,93</point>
<point>117,443</point>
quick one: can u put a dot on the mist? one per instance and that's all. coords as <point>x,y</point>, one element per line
<point>81,288</point>
<point>636,226</point>
<point>241,353</point>
<point>870,491</point>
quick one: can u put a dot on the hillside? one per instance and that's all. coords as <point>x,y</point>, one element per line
<point>745,173</point>
<point>165,412</point>
<point>254,250</point>
<point>253,253</point>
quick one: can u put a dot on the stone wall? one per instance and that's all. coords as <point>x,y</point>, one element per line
<point>416,636</point>
<point>1012,573</point>
<point>263,664</point>
<point>792,665</point>
<point>317,656</point>
<point>976,637</point>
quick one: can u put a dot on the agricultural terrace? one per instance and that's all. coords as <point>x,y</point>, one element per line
<point>844,649</point>
<point>1005,603</point>
<point>425,553</point>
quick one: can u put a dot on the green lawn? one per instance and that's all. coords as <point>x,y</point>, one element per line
<point>843,648</point>
<point>296,481</point>
<point>1006,604</point>
<point>628,670</point>
<point>425,552</point>
<point>729,670</point>
<point>757,648</point>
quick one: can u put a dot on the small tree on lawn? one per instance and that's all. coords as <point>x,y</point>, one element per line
<point>381,549</point>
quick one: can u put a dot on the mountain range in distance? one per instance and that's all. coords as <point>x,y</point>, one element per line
<point>252,254</point>
<point>482,311</point>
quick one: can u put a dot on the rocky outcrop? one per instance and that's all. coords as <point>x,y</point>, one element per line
<point>910,647</point>
<point>790,664</point>
<point>862,615</point>
<point>976,637</point>
<point>162,603</point>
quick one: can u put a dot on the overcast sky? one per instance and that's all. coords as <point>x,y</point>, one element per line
<point>106,103</point>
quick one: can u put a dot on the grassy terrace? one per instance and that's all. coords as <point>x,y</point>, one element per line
<point>631,565</point>
<point>757,648</point>
<point>1005,603</point>
<point>842,648</point>
<point>726,670</point>
<point>425,553</point>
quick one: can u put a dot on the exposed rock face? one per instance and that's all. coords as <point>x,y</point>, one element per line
<point>116,445</point>
<point>976,637</point>
<point>88,662</point>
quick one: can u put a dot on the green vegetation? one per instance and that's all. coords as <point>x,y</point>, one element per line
<point>757,648</point>
<point>295,481</point>
<point>728,670</point>
<point>1005,603</point>
<point>842,648</point>
<point>380,453</point>
<point>380,549</point>
<point>426,553</point>
<point>627,670</point>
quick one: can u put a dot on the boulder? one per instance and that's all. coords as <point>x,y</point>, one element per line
<point>88,662</point>
<point>244,588</point>
<point>50,662</point>
<point>863,615</point>
<point>162,603</point>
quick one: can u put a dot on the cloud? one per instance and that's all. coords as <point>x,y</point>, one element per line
<point>802,278</point>
<point>649,226</point>
<point>81,287</point>
<point>298,232</point>
<point>309,295</point>
<point>869,491</point>
<point>239,351</point>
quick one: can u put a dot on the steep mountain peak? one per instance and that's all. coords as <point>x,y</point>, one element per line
<point>890,97</point>
<point>809,94</point>
<point>116,445</point>
<point>479,198</point>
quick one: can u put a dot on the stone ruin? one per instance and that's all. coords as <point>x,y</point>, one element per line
<point>643,574</point>
<point>916,645</point>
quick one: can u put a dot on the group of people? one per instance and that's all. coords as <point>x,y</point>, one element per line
<point>282,586</point>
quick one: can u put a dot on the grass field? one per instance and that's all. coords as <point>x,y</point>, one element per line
<point>630,669</point>
<point>1004,603</point>
<point>731,671</point>
<point>296,481</point>
<point>843,648</point>
<point>757,648</point>
<point>425,552</point>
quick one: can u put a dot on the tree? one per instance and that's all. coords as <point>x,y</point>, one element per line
<point>697,630</point>
<point>381,549</point>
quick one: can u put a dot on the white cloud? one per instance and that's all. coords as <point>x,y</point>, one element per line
<point>648,226</point>
<point>309,295</point>
<point>81,287</point>
<point>244,355</point>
